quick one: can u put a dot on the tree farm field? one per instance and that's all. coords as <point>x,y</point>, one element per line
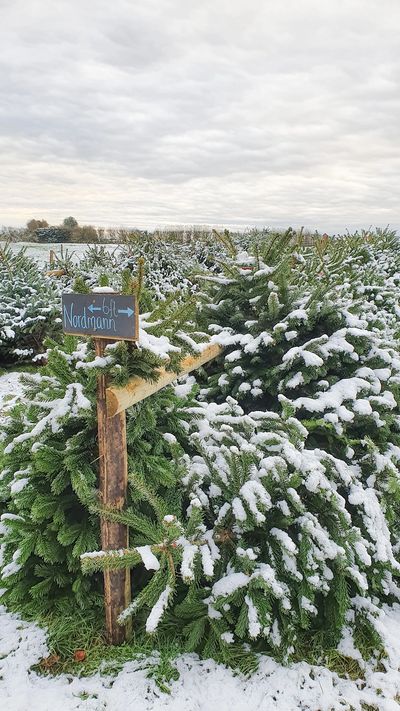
<point>261,559</point>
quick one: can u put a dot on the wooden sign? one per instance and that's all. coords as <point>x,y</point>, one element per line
<point>108,317</point>
<point>103,315</point>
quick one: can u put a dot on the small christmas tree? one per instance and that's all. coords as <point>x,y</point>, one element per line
<point>302,332</point>
<point>49,459</point>
<point>29,307</point>
<point>276,542</point>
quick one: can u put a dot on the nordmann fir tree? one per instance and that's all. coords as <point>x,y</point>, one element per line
<point>48,471</point>
<point>290,529</point>
<point>264,550</point>
<point>29,306</point>
<point>301,330</point>
<point>49,458</point>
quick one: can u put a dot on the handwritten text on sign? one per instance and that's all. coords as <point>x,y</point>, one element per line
<point>101,315</point>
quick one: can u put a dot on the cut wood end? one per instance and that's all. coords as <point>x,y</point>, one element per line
<point>56,272</point>
<point>111,403</point>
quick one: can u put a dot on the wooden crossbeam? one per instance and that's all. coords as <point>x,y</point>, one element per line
<point>119,399</point>
<point>56,272</point>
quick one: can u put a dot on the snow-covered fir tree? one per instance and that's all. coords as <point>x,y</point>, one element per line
<point>321,340</point>
<point>29,307</point>
<point>49,458</point>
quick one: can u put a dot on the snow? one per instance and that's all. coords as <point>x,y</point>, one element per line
<point>229,584</point>
<point>254,624</point>
<point>184,386</point>
<point>12,567</point>
<point>170,438</point>
<point>72,403</point>
<point>103,290</point>
<point>238,509</point>
<point>158,610</point>
<point>9,388</point>
<point>18,485</point>
<point>279,589</point>
<point>40,251</point>
<point>290,335</point>
<point>188,557</point>
<point>299,314</point>
<point>160,345</point>
<point>295,380</point>
<point>202,685</point>
<point>344,390</point>
<point>207,561</point>
<point>254,493</point>
<point>97,362</point>
<point>149,559</point>
<point>115,553</point>
<point>248,553</point>
<point>309,358</point>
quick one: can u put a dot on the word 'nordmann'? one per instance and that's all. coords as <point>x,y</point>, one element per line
<point>84,321</point>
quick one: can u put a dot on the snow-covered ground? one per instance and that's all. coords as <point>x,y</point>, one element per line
<point>9,388</point>
<point>41,252</point>
<point>202,685</point>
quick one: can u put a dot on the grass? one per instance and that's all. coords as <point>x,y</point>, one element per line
<point>314,651</point>
<point>77,646</point>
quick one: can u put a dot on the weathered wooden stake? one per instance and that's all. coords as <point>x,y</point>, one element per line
<point>113,468</point>
<point>113,465</point>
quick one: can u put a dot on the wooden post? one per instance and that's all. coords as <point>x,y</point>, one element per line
<point>113,468</point>
<point>52,257</point>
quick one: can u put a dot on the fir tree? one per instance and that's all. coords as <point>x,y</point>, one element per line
<point>275,542</point>
<point>320,337</point>
<point>49,458</point>
<point>29,307</point>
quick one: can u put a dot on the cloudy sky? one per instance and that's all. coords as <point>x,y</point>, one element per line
<point>151,112</point>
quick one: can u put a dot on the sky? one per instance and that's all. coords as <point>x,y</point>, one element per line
<point>224,112</point>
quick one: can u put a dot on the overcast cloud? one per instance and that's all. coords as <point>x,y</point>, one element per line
<point>271,112</point>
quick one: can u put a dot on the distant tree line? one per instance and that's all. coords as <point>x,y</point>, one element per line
<point>70,231</point>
